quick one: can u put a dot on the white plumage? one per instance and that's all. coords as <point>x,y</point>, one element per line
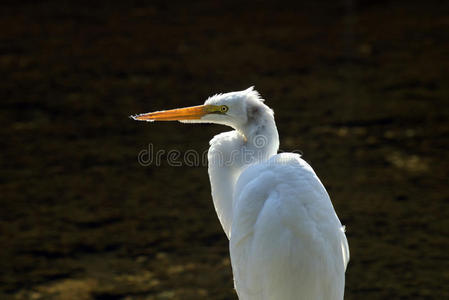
<point>286,241</point>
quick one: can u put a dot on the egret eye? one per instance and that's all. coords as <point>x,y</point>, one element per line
<point>224,108</point>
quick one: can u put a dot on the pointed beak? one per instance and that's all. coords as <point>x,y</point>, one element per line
<point>178,114</point>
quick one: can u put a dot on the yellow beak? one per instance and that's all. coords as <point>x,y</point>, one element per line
<point>186,113</point>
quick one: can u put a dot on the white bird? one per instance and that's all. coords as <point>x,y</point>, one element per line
<point>286,241</point>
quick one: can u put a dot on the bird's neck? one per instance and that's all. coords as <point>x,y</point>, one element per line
<point>230,153</point>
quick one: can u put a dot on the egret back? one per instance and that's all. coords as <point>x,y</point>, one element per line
<point>286,240</point>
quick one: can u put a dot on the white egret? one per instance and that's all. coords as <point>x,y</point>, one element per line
<point>286,241</point>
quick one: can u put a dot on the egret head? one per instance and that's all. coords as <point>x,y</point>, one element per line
<point>235,109</point>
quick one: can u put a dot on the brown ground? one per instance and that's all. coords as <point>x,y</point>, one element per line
<point>360,88</point>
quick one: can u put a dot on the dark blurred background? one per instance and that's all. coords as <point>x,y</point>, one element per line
<point>359,87</point>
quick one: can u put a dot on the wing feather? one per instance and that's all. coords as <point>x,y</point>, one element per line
<point>286,240</point>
